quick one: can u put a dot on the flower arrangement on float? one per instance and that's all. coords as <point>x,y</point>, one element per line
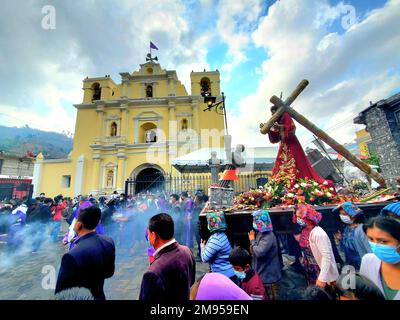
<point>281,193</point>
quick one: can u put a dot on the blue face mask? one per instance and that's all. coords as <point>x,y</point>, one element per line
<point>385,253</point>
<point>240,274</point>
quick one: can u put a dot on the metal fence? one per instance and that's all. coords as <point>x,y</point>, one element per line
<point>192,182</point>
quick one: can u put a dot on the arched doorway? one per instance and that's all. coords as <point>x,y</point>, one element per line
<point>149,179</point>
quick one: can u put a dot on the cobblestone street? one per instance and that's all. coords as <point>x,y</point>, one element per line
<point>27,275</point>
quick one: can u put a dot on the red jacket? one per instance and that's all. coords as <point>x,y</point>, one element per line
<point>58,211</point>
<point>253,285</point>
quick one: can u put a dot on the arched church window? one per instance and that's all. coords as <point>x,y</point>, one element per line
<point>205,87</point>
<point>149,91</point>
<point>96,91</point>
<point>110,178</point>
<point>151,136</point>
<point>184,124</point>
<point>113,131</point>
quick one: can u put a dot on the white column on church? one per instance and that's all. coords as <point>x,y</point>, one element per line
<point>121,171</point>
<point>99,122</point>
<point>37,175</point>
<point>96,175</point>
<point>124,122</point>
<point>173,131</point>
<point>79,175</point>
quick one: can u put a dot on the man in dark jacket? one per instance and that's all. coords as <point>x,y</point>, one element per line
<point>172,273</point>
<point>91,261</point>
<point>38,216</point>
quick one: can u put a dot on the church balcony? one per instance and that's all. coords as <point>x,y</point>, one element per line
<point>103,145</point>
<point>110,140</point>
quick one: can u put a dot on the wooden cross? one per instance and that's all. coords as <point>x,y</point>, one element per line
<point>285,107</point>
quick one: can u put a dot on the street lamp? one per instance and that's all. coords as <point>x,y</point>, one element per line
<point>211,103</point>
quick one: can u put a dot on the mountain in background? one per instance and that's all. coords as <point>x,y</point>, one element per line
<point>18,141</point>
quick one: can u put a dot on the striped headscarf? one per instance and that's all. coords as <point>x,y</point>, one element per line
<point>393,207</point>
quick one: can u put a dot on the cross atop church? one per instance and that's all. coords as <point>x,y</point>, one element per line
<point>284,106</point>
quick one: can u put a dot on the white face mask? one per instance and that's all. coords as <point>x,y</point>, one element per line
<point>300,222</point>
<point>346,219</point>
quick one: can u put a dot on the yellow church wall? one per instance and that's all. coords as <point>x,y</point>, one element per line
<point>135,91</point>
<point>52,184</point>
<point>107,85</point>
<point>85,132</point>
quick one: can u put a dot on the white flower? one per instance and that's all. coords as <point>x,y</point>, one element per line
<point>303,184</point>
<point>296,186</point>
<point>325,183</point>
<point>331,189</point>
<point>328,194</point>
<point>290,195</point>
<point>315,184</point>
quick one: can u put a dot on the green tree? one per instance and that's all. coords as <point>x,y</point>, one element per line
<point>373,159</point>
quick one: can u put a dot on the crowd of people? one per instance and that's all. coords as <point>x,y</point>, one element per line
<point>370,247</point>
<point>123,218</point>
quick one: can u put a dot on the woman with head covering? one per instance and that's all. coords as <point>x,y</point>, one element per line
<point>216,286</point>
<point>317,259</point>
<point>392,210</point>
<point>353,240</point>
<point>265,251</point>
<point>383,265</point>
<point>216,250</point>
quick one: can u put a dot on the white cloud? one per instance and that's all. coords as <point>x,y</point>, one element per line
<point>345,70</point>
<point>46,68</point>
<point>236,19</point>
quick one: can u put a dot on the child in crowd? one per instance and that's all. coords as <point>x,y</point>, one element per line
<point>216,250</point>
<point>357,288</point>
<point>316,294</point>
<point>249,279</point>
<point>265,252</point>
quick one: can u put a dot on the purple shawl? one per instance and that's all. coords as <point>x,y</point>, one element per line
<point>216,286</point>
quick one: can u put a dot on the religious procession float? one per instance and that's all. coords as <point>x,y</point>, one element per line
<point>293,181</point>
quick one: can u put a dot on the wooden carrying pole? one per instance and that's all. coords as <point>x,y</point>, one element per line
<point>338,147</point>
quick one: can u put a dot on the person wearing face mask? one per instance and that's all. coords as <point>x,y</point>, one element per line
<point>317,259</point>
<point>249,279</point>
<point>353,240</point>
<point>265,250</point>
<point>217,248</point>
<point>382,266</point>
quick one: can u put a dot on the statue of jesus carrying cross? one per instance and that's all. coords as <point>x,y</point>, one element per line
<point>291,163</point>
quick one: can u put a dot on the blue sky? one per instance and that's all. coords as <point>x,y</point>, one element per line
<point>260,47</point>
